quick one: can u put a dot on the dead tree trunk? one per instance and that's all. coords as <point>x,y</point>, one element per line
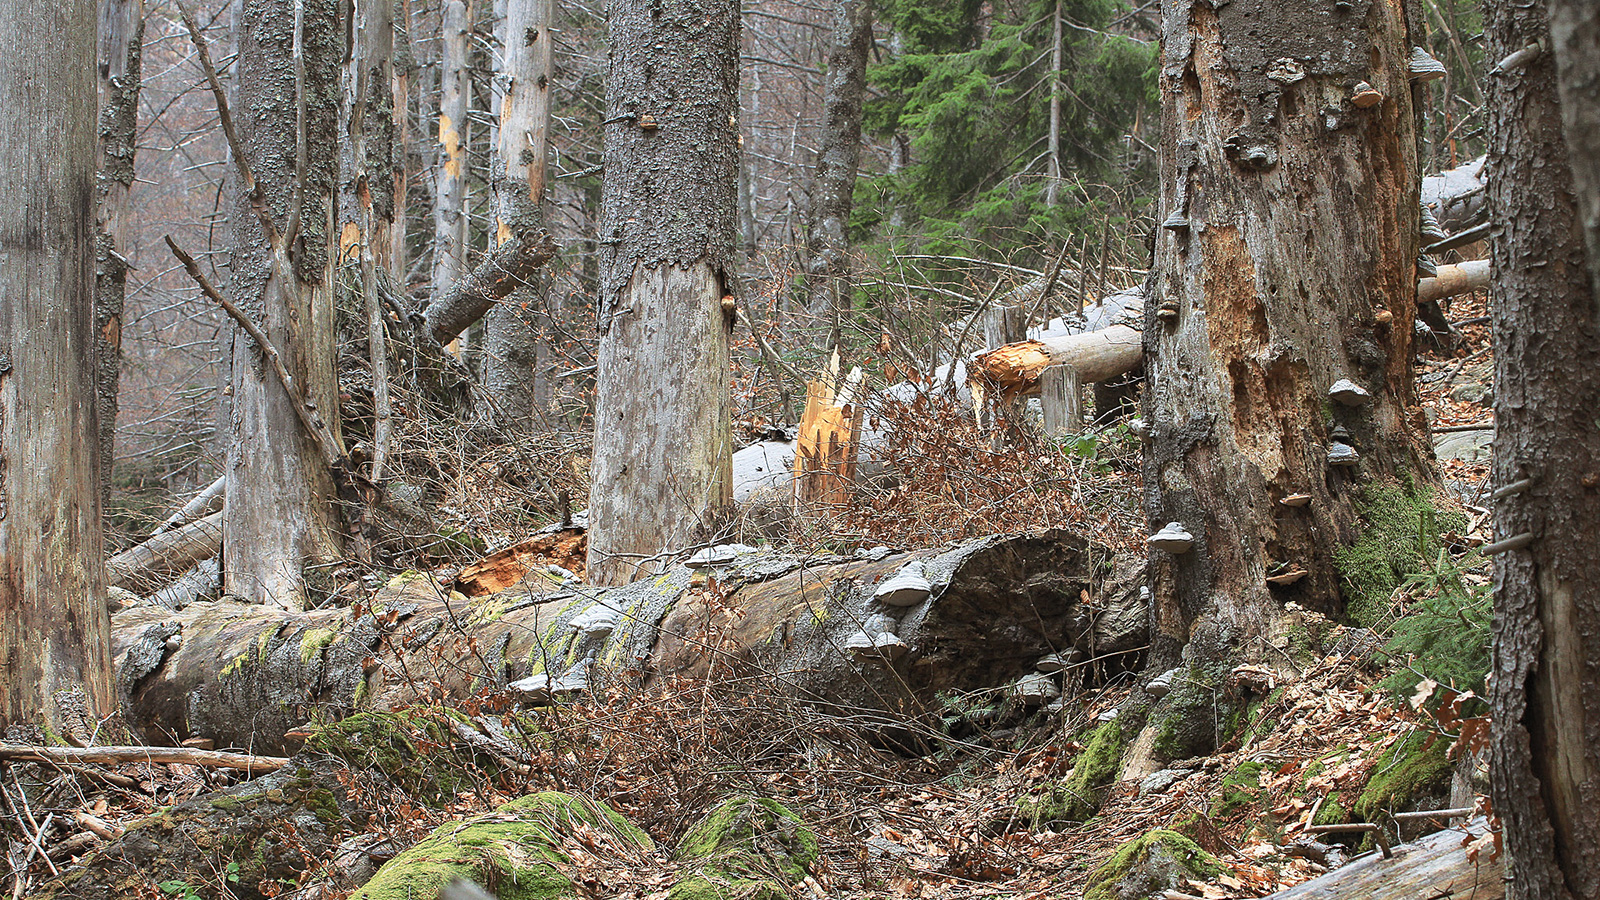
<point>280,515</point>
<point>1289,201</point>
<point>55,668</point>
<point>121,52</point>
<point>1575,37</point>
<point>512,357</point>
<point>450,175</point>
<point>663,436</point>
<point>833,183</point>
<point>1545,751</point>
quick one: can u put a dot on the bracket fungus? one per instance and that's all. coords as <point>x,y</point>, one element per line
<point>1424,67</point>
<point>1348,392</point>
<point>1365,96</point>
<point>1341,454</point>
<point>907,587</point>
<point>1173,539</point>
<point>1295,500</point>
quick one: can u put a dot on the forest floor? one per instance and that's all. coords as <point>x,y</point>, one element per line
<point>969,818</point>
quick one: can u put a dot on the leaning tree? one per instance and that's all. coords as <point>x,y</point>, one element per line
<point>1545,748</point>
<point>1278,339</point>
<point>55,655</point>
<point>662,459</point>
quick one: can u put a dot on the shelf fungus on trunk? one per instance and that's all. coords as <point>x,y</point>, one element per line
<point>907,587</point>
<point>1286,575</point>
<point>1365,96</point>
<point>1424,67</point>
<point>1342,454</point>
<point>1173,538</point>
<point>1294,501</point>
<point>1348,392</point>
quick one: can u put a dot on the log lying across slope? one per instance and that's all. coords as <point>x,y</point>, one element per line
<point>244,675</point>
<point>1437,866</point>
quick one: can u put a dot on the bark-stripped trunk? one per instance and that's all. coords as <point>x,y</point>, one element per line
<point>663,435</point>
<point>1291,221</point>
<point>280,515</point>
<point>1545,755</point>
<point>834,181</point>
<point>512,357</point>
<point>121,51</point>
<point>367,193</point>
<point>55,664</point>
<point>403,65</point>
<point>450,174</point>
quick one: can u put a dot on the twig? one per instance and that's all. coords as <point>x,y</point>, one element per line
<point>1434,814</point>
<point>188,756</point>
<point>313,424</point>
<point>98,826</point>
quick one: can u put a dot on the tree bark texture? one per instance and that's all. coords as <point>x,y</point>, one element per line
<point>833,182</point>
<point>54,632</point>
<point>1545,752</point>
<point>663,447</point>
<point>510,266</point>
<point>512,348</point>
<point>366,209</point>
<point>450,174</point>
<point>280,515</point>
<point>1296,221</point>
<point>244,675</point>
<point>1575,39</point>
<point>120,56</point>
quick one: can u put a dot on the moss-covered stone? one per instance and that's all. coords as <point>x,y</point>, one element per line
<point>514,851</point>
<point>1080,795</point>
<point>1187,723</point>
<point>1413,768</point>
<point>751,848</point>
<point>1400,533</point>
<point>1149,866</point>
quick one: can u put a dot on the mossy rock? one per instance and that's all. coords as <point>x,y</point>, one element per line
<point>1188,720</point>
<point>1149,866</point>
<point>751,848</point>
<point>514,851</point>
<point>1400,534</point>
<point>1080,795</point>
<point>1413,769</point>
<point>414,748</point>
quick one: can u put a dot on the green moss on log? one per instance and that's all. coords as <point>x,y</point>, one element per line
<point>1412,769</point>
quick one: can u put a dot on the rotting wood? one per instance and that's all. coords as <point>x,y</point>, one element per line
<point>827,441</point>
<point>149,565</point>
<point>1015,369</point>
<point>188,756</point>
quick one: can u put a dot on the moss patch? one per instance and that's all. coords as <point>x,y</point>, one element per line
<point>1400,534</point>
<point>746,847</point>
<point>1412,769</point>
<point>414,748</point>
<point>513,851</point>
<point>1150,865</point>
<point>1196,716</point>
<point>1080,796</point>
<point>1241,790</point>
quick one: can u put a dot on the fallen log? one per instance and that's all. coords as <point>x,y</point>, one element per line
<point>247,675</point>
<point>1457,196</point>
<point>204,503</point>
<point>147,566</point>
<point>1438,865</point>
<point>1015,369</point>
<point>506,268</point>
<point>1461,278</point>
<point>188,756</point>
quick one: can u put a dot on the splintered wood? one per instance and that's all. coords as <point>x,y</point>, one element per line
<point>825,449</point>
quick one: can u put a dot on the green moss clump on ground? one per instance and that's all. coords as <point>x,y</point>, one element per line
<point>747,847</point>
<point>1240,790</point>
<point>1400,534</point>
<point>1080,796</point>
<point>414,748</point>
<point>1190,720</point>
<point>1150,865</point>
<point>1412,769</point>
<point>515,850</point>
